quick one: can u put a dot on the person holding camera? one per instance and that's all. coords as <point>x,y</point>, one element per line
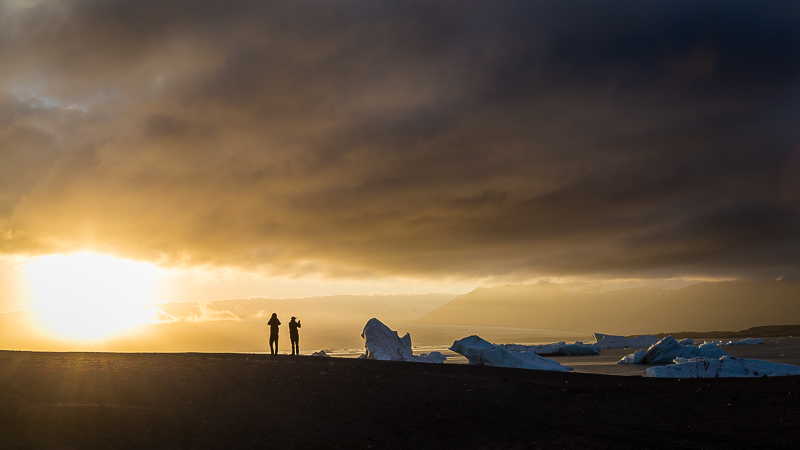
<point>294,336</point>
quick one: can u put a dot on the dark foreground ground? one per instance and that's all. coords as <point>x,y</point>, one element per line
<point>106,400</point>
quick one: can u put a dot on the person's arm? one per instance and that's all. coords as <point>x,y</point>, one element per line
<point>298,324</point>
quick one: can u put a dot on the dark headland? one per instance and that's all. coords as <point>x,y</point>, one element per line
<point>126,400</point>
<point>754,332</point>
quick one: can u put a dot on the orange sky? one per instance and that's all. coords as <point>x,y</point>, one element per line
<point>308,148</point>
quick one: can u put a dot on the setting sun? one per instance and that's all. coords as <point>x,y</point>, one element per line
<point>89,296</point>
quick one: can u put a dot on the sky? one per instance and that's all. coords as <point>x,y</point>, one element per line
<point>312,147</point>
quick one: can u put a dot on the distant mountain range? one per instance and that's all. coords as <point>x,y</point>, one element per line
<point>729,305</point>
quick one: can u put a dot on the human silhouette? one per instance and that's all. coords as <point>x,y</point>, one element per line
<point>273,333</point>
<point>294,336</point>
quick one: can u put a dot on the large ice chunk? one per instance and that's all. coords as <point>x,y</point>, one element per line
<point>385,344</point>
<point>472,348</point>
<point>481,352</point>
<point>666,350</point>
<point>727,366</point>
<point>605,341</point>
<point>557,349</point>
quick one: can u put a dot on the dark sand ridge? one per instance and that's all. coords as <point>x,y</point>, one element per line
<point>108,400</point>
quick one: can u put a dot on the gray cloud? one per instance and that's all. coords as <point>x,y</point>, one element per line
<point>412,139</point>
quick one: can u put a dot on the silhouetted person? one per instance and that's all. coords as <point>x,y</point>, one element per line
<point>273,333</point>
<point>294,336</point>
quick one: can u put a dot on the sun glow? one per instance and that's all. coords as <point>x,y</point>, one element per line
<point>89,296</point>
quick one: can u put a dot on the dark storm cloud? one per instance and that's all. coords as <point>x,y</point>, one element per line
<point>396,138</point>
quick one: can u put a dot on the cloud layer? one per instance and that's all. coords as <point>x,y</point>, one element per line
<point>428,139</point>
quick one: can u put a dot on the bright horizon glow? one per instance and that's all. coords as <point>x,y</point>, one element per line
<point>86,296</point>
<point>212,284</point>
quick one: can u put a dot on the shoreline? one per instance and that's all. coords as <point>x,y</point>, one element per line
<point>784,350</point>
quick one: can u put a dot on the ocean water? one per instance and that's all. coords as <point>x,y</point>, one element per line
<point>426,337</point>
<point>438,335</point>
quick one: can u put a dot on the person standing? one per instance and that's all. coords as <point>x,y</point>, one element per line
<point>294,336</point>
<point>273,323</point>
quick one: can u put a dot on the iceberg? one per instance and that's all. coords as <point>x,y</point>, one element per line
<point>472,348</point>
<point>636,357</point>
<point>385,344</point>
<point>748,341</point>
<point>666,350</point>
<point>321,353</point>
<point>481,352</point>
<point>725,367</point>
<point>608,341</point>
<point>557,349</point>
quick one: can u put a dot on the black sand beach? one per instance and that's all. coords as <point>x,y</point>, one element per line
<point>108,400</point>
